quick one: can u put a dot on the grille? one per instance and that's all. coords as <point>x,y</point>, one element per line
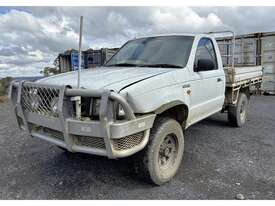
<point>128,142</point>
<point>47,131</point>
<point>40,100</point>
<point>95,142</point>
<point>53,133</point>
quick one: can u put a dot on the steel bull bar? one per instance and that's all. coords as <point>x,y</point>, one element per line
<point>111,138</point>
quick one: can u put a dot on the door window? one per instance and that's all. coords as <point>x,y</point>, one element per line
<point>206,51</point>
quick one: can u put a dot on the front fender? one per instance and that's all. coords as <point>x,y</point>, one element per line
<point>168,105</point>
<point>159,100</point>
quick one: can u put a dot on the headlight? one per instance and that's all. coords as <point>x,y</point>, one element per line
<point>120,113</point>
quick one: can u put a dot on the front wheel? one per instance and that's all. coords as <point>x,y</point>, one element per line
<point>237,114</point>
<point>161,158</point>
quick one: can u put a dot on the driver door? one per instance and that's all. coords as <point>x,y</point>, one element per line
<point>209,79</point>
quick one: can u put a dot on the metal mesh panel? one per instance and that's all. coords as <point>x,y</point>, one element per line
<point>95,142</point>
<point>40,100</point>
<point>47,131</point>
<point>53,133</point>
<point>128,141</point>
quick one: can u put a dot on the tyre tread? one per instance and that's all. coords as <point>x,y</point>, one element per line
<point>142,166</point>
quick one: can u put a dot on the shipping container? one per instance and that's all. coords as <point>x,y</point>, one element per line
<point>64,63</point>
<point>68,61</point>
<point>74,60</point>
<point>268,61</point>
<point>108,53</point>
<point>98,57</point>
<point>252,49</point>
<point>93,58</point>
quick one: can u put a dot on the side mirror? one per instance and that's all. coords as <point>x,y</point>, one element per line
<point>204,65</point>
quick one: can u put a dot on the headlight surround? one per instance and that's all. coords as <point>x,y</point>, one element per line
<point>120,112</point>
<point>95,107</point>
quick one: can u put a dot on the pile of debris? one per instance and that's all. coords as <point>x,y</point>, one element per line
<point>4,88</point>
<point>68,61</point>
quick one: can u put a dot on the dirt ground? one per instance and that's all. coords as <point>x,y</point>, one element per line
<point>219,163</point>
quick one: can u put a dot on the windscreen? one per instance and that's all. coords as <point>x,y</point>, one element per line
<point>172,51</point>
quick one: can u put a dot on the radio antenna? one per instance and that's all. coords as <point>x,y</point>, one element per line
<point>78,101</point>
<point>79,51</point>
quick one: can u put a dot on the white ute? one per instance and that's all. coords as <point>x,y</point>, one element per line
<point>139,103</point>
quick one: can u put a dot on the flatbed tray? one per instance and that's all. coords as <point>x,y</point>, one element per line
<point>243,74</point>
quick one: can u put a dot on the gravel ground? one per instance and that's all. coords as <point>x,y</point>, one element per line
<point>219,163</point>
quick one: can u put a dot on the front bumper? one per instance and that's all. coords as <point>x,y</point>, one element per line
<point>106,137</point>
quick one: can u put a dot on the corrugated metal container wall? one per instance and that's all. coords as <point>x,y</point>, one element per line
<point>245,51</point>
<point>98,57</point>
<point>93,58</point>
<point>268,61</point>
<point>108,53</point>
<point>253,49</point>
<point>64,63</point>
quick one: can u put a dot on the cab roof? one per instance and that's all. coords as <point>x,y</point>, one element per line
<point>177,34</point>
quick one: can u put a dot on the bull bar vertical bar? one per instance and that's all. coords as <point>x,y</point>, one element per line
<point>106,96</point>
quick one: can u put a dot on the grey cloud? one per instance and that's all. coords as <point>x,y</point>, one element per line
<point>37,34</point>
<point>243,19</point>
<point>11,51</point>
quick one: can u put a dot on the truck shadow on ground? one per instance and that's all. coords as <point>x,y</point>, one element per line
<point>216,120</point>
<point>83,170</point>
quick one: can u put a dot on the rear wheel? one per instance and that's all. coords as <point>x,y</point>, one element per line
<point>237,114</point>
<point>161,158</point>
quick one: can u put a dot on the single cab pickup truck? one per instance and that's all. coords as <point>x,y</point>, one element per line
<point>139,103</point>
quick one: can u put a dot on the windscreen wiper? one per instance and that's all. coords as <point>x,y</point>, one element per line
<point>161,65</point>
<point>122,65</point>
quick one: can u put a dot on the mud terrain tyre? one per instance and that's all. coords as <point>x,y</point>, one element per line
<point>237,114</point>
<point>161,158</point>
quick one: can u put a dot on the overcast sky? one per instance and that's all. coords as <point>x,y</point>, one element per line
<point>31,37</point>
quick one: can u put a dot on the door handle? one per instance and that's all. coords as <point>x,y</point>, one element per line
<point>186,86</point>
<point>219,80</point>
